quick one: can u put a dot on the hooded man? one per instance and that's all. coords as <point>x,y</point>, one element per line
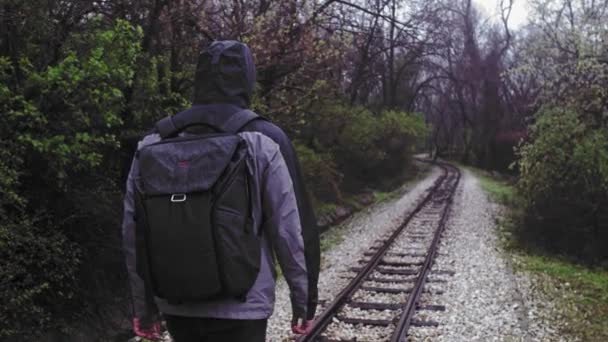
<point>224,82</point>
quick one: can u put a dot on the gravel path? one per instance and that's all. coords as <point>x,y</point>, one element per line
<point>359,233</point>
<point>483,301</point>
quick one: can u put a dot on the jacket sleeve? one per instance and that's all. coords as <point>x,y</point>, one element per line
<point>144,306</point>
<point>282,222</point>
<point>310,231</point>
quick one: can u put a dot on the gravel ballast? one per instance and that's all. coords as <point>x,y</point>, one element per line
<point>360,232</point>
<point>484,300</point>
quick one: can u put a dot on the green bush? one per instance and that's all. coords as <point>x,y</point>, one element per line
<point>59,197</point>
<point>375,147</point>
<point>368,148</point>
<point>564,184</point>
<point>37,279</point>
<point>320,174</point>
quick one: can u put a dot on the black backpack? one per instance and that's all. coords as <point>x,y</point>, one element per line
<point>195,238</point>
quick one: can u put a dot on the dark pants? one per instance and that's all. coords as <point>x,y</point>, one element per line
<point>194,329</point>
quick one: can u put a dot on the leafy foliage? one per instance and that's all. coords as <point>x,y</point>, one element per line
<point>320,173</point>
<point>377,146</point>
<point>564,184</point>
<point>564,163</point>
<point>59,125</point>
<point>367,148</point>
<point>37,279</point>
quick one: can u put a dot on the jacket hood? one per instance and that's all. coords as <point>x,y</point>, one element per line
<point>225,74</point>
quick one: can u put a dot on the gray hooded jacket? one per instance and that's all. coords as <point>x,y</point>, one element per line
<point>275,213</point>
<point>224,81</point>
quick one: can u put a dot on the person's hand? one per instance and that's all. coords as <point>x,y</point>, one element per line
<point>301,326</point>
<point>149,331</point>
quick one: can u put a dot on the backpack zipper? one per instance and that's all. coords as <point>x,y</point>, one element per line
<point>188,138</point>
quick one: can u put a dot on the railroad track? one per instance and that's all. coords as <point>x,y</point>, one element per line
<point>380,302</point>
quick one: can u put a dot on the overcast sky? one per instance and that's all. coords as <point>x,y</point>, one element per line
<point>519,13</point>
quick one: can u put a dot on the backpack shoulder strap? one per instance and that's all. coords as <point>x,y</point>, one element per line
<point>239,120</point>
<point>166,127</point>
<point>171,125</point>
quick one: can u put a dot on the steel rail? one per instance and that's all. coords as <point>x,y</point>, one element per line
<point>321,323</point>
<point>409,308</point>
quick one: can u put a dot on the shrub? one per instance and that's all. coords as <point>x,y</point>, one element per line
<point>59,201</point>
<point>564,184</point>
<point>320,174</point>
<point>375,147</point>
<point>37,279</point>
<point>368,148</point>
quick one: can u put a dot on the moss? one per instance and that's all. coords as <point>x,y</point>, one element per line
<point>499,189</point>
<point>380,196</point>
<point>580,292</point>
<point>325,208</point>
<point>332,237</point>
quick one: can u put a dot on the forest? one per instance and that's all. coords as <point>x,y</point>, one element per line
<point>358,85</point>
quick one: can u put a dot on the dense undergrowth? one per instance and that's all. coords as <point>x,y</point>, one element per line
<point>563,184</point>
<point>578,291</point>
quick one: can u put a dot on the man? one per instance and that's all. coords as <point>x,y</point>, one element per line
<point>223,86</point>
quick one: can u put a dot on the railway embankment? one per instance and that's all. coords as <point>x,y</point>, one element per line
<point>486,297</point>
<point>566,299</point>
